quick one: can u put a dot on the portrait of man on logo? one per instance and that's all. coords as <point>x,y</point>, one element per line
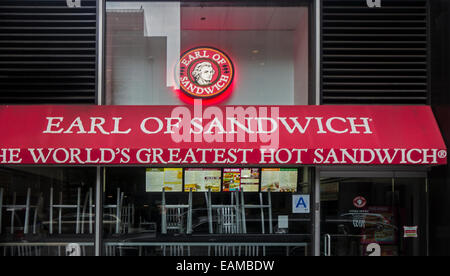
<point>203,73</point>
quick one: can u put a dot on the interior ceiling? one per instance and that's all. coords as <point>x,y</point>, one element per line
<point>220,18</point>
<point>241,18</point>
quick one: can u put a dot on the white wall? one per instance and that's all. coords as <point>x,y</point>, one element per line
<point>139,71</point>
<point>263,77</point>
<point>301,60</point>
<point>271,66</point>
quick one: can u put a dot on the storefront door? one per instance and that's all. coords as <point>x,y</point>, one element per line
<point>368,216</point>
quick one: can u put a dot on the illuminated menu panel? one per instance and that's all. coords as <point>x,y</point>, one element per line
<point>169,178</point>
<point>200,180</point>
<point>250,180</point>
<point>231,180</point>
<point>279,180</point>
<point>235,179</point>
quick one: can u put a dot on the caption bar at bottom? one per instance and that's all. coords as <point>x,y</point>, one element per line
<point>206,267</point>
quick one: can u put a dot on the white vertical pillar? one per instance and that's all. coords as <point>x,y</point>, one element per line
<point>164,19</point>
<point>101,21</point>
<point>316,185</point>
<point>161,19</point>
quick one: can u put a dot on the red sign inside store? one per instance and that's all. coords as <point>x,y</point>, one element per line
<point>205,72</point>
<point>232,135</point>
<point>359,202</point>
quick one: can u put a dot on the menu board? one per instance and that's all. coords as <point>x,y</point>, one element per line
<point>231,180</point>
<point>279,180</point>
<point>250,180</point>
<point>200,180</point>
<point>169,178</point>
<point>235,179</point>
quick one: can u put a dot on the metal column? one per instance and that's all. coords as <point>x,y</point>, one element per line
<point>101,20</point>
<point>1,208</point>
<point>99,213</point>
<point>316,212</point>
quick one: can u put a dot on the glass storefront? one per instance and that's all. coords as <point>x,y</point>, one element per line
<point>207,212</point>
<point>44,210</point>
<point>211,211</point>
<point>366,216</point>
<point>201,208</point>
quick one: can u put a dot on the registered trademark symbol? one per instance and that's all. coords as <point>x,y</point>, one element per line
<point>442,154</point>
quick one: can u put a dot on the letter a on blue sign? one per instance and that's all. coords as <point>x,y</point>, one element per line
<point>300,204</point>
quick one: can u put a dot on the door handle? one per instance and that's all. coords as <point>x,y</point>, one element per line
<point>327,245</point>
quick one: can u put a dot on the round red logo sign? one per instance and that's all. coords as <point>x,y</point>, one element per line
<point>205,72</point>
<point>359,202</point>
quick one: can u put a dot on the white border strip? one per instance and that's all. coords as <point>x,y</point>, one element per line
<point>100,82</point>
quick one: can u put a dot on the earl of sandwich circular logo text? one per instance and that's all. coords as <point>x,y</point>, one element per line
<point>205,72</point>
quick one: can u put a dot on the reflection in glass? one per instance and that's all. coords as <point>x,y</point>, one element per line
<point>268,45</point>
<point>44,210</point>
<point>202,222</point>
<point>359,213</point>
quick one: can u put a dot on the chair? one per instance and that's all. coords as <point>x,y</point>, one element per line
<point>254,250</point>
<point>82,212</point>
<point>115,210</point>
<point>231,219</point>
<point>228,221</point>
<point>127,217</point>
<point>14,208</point>
<point>62,206</point>
<point>21,250</point>
<point>172,216</point>
<point>260,206</point>
<point>176,250</point>
<point>247,251</point>
<point>88,204</point>
<point>227,217</point>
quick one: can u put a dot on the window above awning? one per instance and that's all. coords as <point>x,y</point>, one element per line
<point>220,135</point>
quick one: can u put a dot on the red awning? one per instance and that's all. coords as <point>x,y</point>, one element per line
<point>240,135</point>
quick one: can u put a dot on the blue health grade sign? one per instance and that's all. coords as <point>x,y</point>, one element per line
<point>300,204</point>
